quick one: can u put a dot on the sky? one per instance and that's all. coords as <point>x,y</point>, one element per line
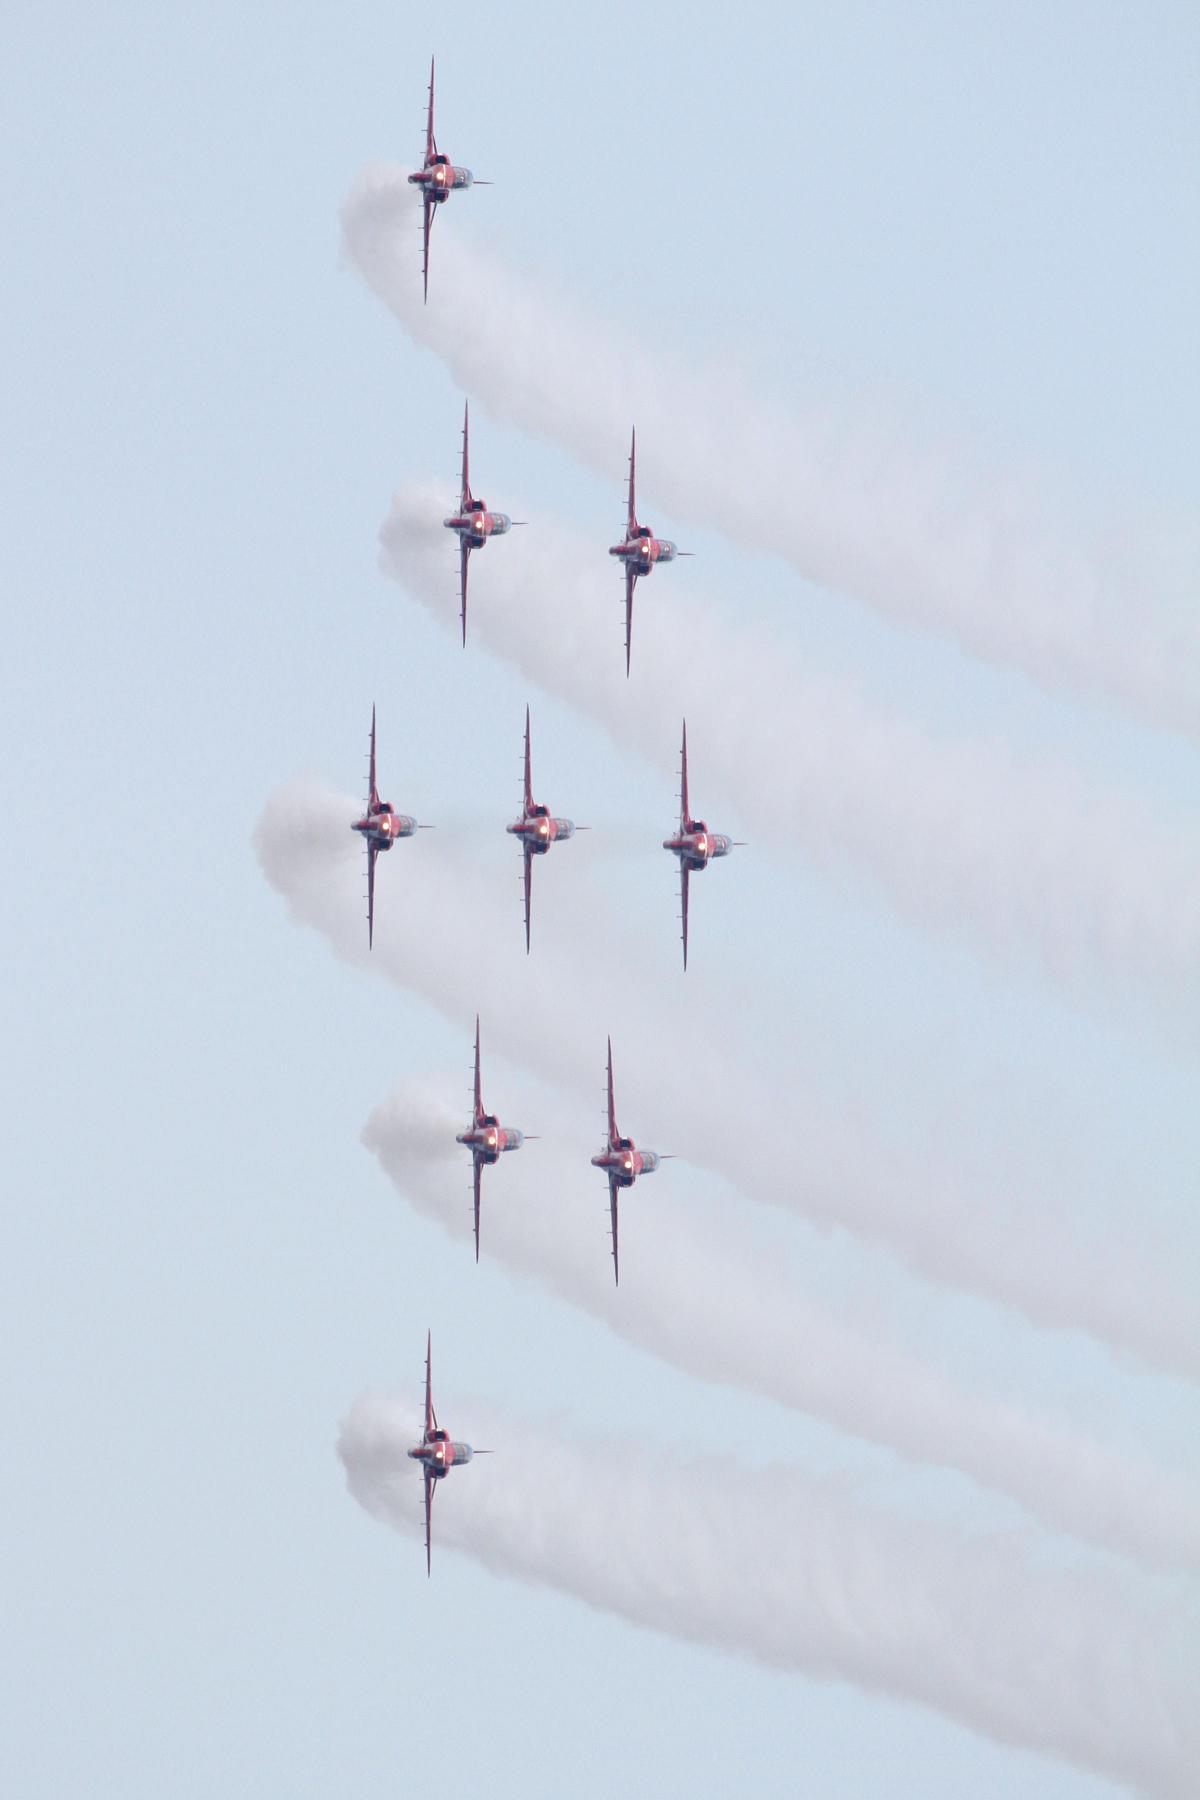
<point>882,1463</point>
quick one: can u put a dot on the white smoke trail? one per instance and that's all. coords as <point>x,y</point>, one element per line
<point>799,1574</point>
<point>1004,1246</point>
<point>745,1323</point>
<point>891,523</point>
<point>962,836</point>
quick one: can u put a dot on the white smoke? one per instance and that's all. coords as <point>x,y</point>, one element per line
<point>742,1320</point>
<point>1007,1247</point>
<point>898,525</point>
<point>798,1573</point>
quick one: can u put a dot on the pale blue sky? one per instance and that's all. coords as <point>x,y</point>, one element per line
<point>981,222</point>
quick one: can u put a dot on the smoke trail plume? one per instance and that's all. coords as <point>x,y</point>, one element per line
<point>900,527</point>
<point>1006,1247</point>
<point>962,836</point>
<point>742,1320</point>
<point>797,1573</point>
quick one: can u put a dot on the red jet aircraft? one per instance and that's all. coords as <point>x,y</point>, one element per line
<point>473,522</point>
<point>381,825</point>
<point>437,1453</point>
<point>694,844</point>
<point>622,1162</point>
<point>437,179</point>
<point>485,1138</point>
<point>537,830</point>
<point>640,550</point>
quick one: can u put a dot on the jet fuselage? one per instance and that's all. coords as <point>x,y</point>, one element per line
<point>382,828</point>
<point>440,1453</point>
<point>697,846</point>
<point>488,1140</point>
<point>623,1162</point>
<point>644,550</point>
<point>440,177</point>
<point>538,829</point>
<point>477,525</point>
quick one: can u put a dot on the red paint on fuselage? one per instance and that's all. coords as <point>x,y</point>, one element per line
<point>440,1453</point>
<point>488,1141</point>
<point>698,846</point>
<point>644,552</point>
<point>539,829</point>
<point>382,828</point>
<point>624,1162</point>
<point>440,178</point>
<point>476,526</point>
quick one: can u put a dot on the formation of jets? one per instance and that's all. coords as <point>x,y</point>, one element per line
<point>537,828</point>
<point>639,551</point>
<point>622,1162</point>
<point>693,845</point>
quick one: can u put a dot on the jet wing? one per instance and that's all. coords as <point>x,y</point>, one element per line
<point>430,140</point>
<point>430,1415</point>
<point>631,524</point>
<point>478,1166</point>
<point>372,791</point>
<point>465,496</point>
<point>372,853</point>
<point>685,818</point>
<point>613,1191</point>
<point>430,1484</point>
<point>464,551</point>
<point>426,228</point>
<point>683,895</point>
<point>630,583</point>
<point>612,1111</point>
<point>528,891</point>
<point>528,769</point>
<point>478,1084</point>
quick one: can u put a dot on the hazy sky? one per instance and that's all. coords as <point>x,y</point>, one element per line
<point>922,282</point>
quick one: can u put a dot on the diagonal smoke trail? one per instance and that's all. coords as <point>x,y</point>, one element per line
<point>963,836</point>
<point>888,522</point>
<point>796,1572</point>
<point>743,1321</point>
<point>1006,1247</point>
